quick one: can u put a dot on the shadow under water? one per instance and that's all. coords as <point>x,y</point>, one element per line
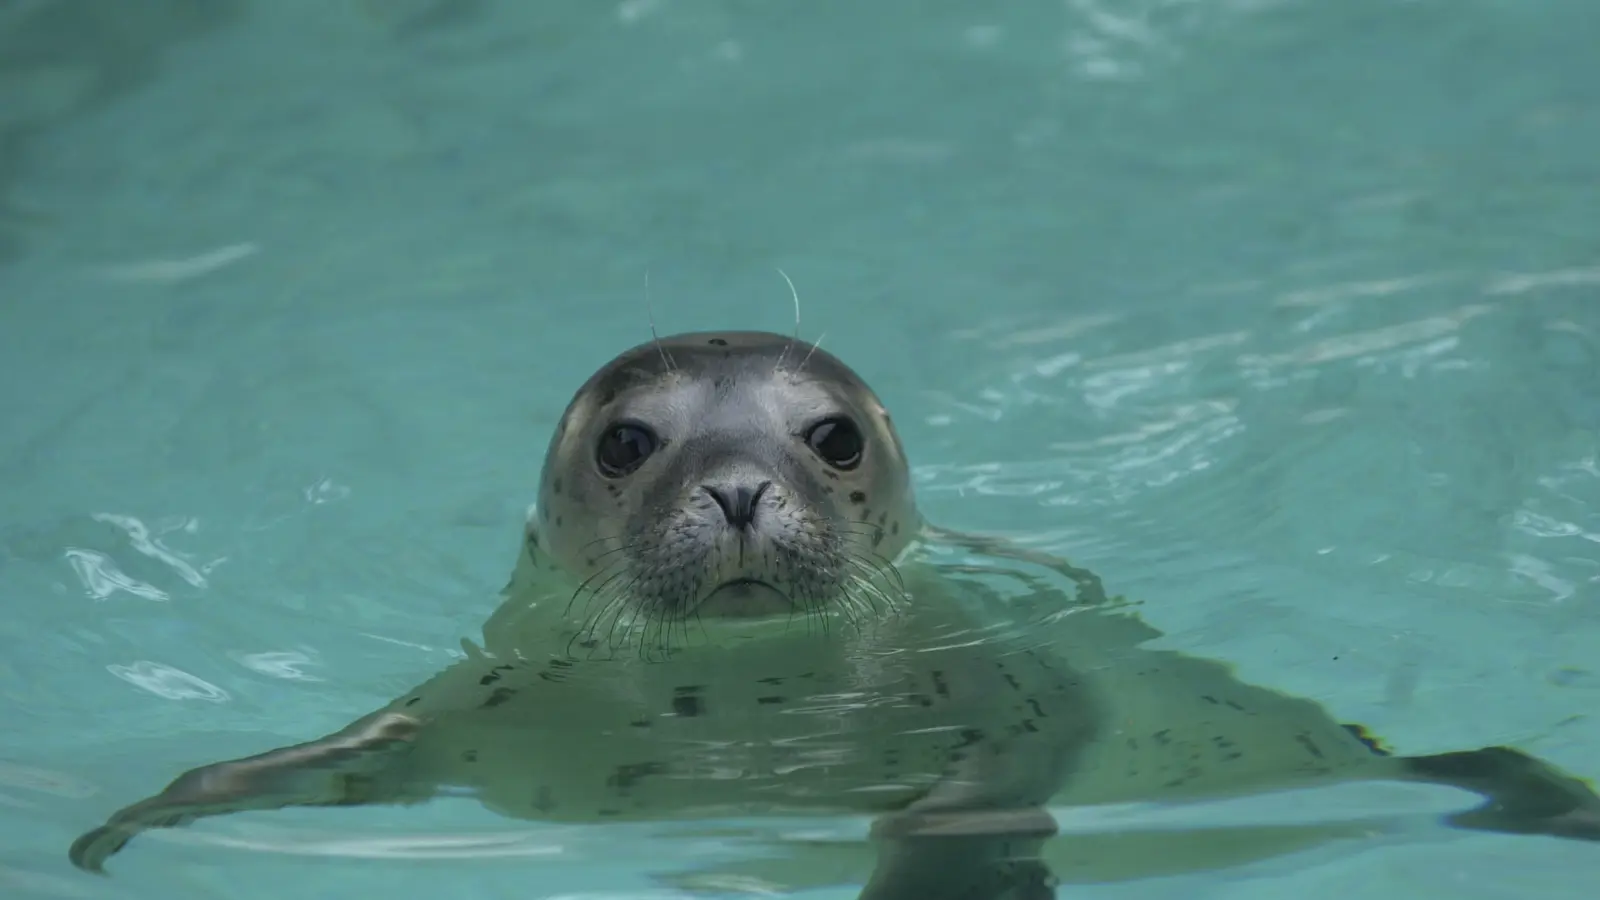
<point>60,60</point>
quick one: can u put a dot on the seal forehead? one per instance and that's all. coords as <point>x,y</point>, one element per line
<point>730,365</point>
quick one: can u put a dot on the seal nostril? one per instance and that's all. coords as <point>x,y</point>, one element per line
<point>738,502</point>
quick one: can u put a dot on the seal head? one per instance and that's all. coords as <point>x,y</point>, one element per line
<point>726,475</point>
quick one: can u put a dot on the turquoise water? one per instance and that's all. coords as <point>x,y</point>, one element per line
<point>1281,316</point>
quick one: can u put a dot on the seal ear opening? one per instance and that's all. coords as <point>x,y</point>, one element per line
<point>1523,795</point>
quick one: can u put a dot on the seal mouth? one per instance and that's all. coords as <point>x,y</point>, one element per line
<point>745,598</point>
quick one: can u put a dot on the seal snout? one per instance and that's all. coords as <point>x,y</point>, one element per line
<point>738,501</point>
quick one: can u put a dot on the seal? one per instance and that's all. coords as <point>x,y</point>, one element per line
<point>727,603</point>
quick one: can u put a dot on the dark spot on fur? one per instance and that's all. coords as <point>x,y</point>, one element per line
<point>877,537</point>
<point>1040,661</point>
<point>1161,737</point>
<point>1036,710</point>
<point>608,812</point>
<point>858,497</point>
<point>555,486</point>
<point>922,699</point>
<point>1234,705</point>
<point>831,475</point>
<point>969,736</point>
<point>413,701</point>
<point>1209,699</point>
<point>469,756</point>
<point>497,697</point>
<point>494,675</point>
<point>1012,680</point>
<point>686,701</point>
<point>883,519</point>
<point>558,521</point>
<point>589,644</point>
<point>625,776</point>
<point>774,680</point>
<point>556,670</point>
<point>717,342</point>
<point>768,701</point>
<point>544,799</point>
<point>640,723</point>
<point>1311,746</point>
<point>1234,755</point>
<point>895,528</point>
<point>939,686</point>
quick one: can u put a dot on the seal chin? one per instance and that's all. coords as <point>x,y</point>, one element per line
<point>745,598</point>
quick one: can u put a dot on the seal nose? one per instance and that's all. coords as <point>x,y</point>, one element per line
<point>738,502</point>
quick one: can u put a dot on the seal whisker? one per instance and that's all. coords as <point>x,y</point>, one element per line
<point>657,620</point>
<point>620,565</point>
<point>814,345</point>
<point>666,358</point>
<point>784,353</point>
<point>891,605</point>
<point>883,562</point>
<point>859,609</point>
<point>617,606</point>
<point>849,605</point>
<point>612,606</point>
<point>602,540</point>
<point>617,597</point>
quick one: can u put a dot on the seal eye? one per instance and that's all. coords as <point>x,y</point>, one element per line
<point>623,448</point>
<point>837,441</point>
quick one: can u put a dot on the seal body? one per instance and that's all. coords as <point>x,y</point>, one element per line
<point>727,603</point>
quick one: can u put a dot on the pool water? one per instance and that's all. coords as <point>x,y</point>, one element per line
<point>1281,316</point>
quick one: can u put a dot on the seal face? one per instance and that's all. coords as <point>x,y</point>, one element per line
<point>725,476</point>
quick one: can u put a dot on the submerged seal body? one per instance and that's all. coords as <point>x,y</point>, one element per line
<point>728,603</point>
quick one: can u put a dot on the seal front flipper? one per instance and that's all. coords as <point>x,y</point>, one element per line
<point>344,768</point>
<point>968,855</point>
<point>1523,795</point>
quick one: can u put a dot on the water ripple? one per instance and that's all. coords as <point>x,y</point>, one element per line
<point>167,682</point>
